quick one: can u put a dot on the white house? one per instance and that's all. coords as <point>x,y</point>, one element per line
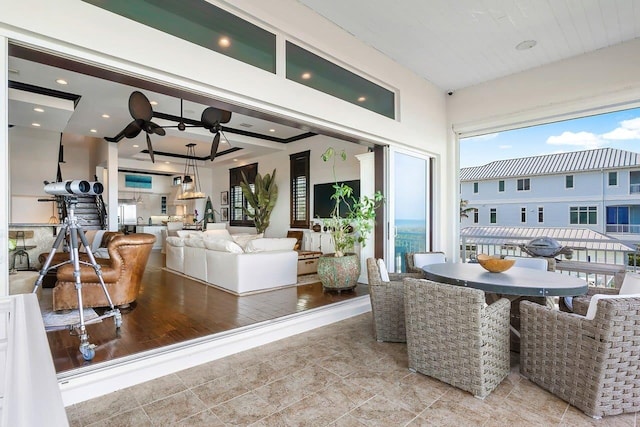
<point>596,189</point>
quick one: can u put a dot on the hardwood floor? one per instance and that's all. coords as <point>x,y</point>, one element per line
<point>172,309</point>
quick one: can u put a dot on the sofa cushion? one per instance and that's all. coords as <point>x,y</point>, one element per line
<point>216,226</point>
<point>630,284</point>
<point>222,245</point>
<point>243,238</point>
<point>267,244</point>
<point>194,243</point>
<point>175,241</point>
<point>186,234</point>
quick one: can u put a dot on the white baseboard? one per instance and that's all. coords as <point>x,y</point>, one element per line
<point>91,382</point>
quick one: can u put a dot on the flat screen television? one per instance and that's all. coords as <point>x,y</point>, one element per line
<point>323,203</point>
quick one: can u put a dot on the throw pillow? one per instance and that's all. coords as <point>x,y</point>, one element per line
<point>243,238</point>
<point>218,234</point>
<point>222,245</point>
<point>630,284</point>
<point>593,303</point>
<point>270,244</point>
<point>384,274</point>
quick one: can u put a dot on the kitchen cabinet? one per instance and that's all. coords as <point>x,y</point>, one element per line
<point>156,230</point>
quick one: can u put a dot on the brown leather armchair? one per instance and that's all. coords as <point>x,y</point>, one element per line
<point>122,273</point>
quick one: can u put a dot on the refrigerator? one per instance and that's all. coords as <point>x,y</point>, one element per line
<point>127,215</point>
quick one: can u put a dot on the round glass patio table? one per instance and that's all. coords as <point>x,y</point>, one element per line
<point>515,281</point>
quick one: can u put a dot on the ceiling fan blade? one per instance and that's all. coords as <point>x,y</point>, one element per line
<point>133,129</point>
<point>150,149</point>
<point>154,128</point>
<point>225,116</point>
<point>210,116</point>
<point>140,107</point>
<point>214,146</point>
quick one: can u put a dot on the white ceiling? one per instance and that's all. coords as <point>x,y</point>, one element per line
<point>460,43</point>
<point>100,97</point>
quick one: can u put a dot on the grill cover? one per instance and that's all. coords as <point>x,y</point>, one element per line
<point>545,247</point>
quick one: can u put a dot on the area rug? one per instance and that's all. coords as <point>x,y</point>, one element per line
<point>307,279</point>
<point>61,320</point>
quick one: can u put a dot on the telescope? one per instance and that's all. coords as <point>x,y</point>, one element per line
<point>75,187</point>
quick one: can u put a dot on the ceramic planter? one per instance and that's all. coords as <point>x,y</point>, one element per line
<point>339,273</point>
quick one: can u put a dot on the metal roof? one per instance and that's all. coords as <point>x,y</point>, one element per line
<point>549,164</point>
<point>582,238</point>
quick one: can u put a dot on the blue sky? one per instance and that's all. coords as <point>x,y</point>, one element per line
<point>616,130</point>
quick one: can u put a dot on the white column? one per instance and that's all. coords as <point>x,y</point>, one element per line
<point>112,190</point>
<point>367,188</point>
<point>4,168</point>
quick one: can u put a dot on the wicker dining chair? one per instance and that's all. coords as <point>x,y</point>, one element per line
<point>630,285</point>
<point>591,364</point>
<point>425,259</point>
<point>453,336</point>
<point>387,303</point>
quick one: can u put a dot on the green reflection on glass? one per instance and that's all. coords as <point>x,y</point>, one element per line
<point>313,71</point>
<point>201,23</point>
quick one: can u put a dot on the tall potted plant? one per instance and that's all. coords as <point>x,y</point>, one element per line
<point>262,199</point>
<point>340,270</point>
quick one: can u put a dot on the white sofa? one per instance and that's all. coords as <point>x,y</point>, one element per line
<point>240,264</point>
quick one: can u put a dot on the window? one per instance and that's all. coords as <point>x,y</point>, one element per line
<point>568,181</point>
<point>613,179</point>
<point>501,186</point>
<point>524,184</point>
<point>493,215</point>
<point>237,201</point>
<point>475,216</point>
<point>617,215</point>
<point>583,215</point>
<point>523,215</point>
<point>475,187</point>
<point>299,208</point>
<point>540,214</point>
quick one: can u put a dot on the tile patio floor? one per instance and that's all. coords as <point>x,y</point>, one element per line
<point>338,376</point>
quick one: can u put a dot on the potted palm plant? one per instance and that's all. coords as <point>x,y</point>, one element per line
<point>340,270</point>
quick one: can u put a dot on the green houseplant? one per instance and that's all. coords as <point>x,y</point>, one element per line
<point>341,269</point>
<point>262,199</point>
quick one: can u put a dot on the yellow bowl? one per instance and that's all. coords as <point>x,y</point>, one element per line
<point>495,264</point>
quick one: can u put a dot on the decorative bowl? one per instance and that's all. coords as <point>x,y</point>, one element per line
<point>494,264</point>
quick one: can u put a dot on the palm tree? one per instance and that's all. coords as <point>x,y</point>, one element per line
<point>464,210</point>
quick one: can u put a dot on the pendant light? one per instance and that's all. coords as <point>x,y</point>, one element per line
<point>191,189</point>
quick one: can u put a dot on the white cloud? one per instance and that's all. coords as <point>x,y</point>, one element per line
<point>628,129</point>
<point>504,147</point>
<point>584,139</point>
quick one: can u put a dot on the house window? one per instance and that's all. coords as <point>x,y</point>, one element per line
<point>523,215</point>
<point>583,215</point>
<point>568,181</point>
<point>475,187</point>
<point>501,186</point>
<point>299,170</point>
<point>475,216</point>
<point>524,184</point>
<point>237,200</point>
<point>540,214</point>
<point>613,179</point>
<point>493,215</point>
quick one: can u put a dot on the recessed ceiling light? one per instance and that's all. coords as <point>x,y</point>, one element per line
<point>61,82</point>
<point>167,162</point>
<point>105,116</point>
<point>39,110</point>
<point>527,44</point>
<point>35,125</point>
<point>306,76</point>
<point>235,160</point>
<point>362,99</point>
<point>135,146</point>
<point>93,131</point>
<point>153,103</point>
<point>224,42</point>
<point>272,130</point>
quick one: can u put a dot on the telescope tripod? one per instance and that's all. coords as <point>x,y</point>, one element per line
<point>72,228</point>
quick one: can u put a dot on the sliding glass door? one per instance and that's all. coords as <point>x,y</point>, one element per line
<point>409,206</point>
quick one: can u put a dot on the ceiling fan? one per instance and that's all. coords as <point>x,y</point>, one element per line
<point>142,112</point>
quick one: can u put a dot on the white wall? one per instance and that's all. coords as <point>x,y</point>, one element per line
<point>321,172</point>
<point>82,30</point>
